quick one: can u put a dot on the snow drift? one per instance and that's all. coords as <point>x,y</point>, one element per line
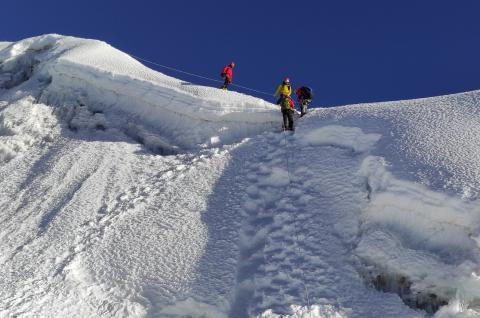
<point>128,193</point>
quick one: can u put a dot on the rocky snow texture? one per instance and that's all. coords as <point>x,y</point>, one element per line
<point>128,193</point>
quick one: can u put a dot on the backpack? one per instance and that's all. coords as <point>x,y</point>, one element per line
<point>308,92</point>
<point>287,103</point>
<point>291,103</point>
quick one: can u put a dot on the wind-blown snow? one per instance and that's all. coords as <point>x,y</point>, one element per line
<point>128,193</point>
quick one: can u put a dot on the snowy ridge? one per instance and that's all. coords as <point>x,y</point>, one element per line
<point>91,73</point>
<point>128,193</point>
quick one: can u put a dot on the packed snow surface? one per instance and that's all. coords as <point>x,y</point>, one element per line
<point>128,193</point>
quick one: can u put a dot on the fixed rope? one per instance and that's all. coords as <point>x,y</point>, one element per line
<point>295,225</point>
<point>195,75</point>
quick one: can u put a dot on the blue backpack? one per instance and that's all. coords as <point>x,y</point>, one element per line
<point>308,92</point>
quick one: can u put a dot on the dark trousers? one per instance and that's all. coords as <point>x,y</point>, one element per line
<point>287,119</point>
<point>227,82</point>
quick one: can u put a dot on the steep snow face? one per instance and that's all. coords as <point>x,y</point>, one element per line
<point>93,223</point>
<point>366,211</point>
<point>419,229</point>
<point>432,140</point>
<point>96,85</point>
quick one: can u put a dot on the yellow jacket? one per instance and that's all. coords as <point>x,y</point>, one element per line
<point>283,89</point>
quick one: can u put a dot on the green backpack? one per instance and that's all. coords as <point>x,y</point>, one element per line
<point>285,104</point>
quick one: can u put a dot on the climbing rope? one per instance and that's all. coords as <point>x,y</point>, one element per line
<point>295,225</point>
<point>195,75</point>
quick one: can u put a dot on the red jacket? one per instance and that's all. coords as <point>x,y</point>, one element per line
<point>291,103</point>
<point>227,70</point>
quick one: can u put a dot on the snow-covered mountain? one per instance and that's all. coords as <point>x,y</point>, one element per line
<point>128,193</point>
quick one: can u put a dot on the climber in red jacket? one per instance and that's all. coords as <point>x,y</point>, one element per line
<point>227,74</point>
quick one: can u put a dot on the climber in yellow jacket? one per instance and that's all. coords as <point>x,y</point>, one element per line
<point>284,90</point>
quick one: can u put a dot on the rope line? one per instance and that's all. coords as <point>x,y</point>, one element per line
<point>195,75</point>
<point>295,225</point>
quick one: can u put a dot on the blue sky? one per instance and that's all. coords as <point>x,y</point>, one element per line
<point>348,51</point>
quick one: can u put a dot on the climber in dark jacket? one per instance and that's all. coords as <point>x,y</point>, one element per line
<point>305,96</point>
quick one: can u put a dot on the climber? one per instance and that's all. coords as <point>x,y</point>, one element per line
<point>305,96</point>
<point>227,75</point>
<point>288,108</point>
<point>284,90</point>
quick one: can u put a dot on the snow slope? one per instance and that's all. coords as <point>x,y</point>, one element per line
<point>124,94</point>
<point>128,193</point>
